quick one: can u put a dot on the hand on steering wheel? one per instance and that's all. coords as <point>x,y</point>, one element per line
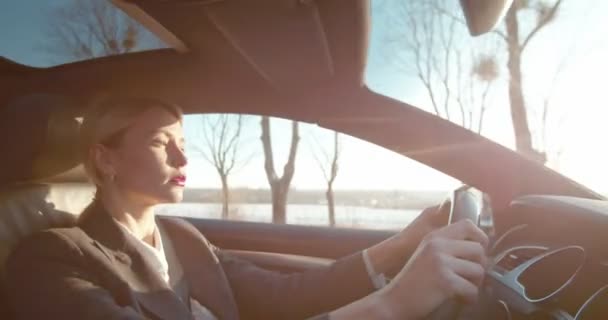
<point>448,263</point>
<point>463,206</point>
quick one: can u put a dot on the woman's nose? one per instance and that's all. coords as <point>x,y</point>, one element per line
<point>179,157</point>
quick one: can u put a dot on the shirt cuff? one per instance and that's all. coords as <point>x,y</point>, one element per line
<point>379,280</point>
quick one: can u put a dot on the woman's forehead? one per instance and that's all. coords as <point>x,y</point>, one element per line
<point>157,119</point>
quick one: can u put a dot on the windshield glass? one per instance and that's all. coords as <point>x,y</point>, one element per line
<point>45,33</point>
<point>534,85</point>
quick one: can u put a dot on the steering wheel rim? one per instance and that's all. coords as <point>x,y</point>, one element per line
<point>462,206</point>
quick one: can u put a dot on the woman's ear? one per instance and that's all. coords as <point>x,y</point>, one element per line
<point>103,160</point>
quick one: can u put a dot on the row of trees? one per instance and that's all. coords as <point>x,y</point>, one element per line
<point>461,76</point>
<point>221,144</point>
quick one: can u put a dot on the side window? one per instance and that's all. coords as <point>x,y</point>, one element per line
<point>250,168</point>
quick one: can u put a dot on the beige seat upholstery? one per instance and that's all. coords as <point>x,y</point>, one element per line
<point>50,154</point>
<point>49,150</point>
<point>29,208</point>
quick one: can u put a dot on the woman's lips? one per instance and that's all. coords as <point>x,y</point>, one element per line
<point>179,180</point>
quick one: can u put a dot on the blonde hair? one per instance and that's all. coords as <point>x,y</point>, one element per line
<point>106,122</point>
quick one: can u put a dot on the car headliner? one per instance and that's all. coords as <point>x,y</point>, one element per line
<point>301,60</point>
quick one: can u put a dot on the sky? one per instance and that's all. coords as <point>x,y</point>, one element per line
<point>580,38</point>
<point>580,34</point>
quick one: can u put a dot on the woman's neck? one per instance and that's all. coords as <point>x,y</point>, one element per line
<point>138,218</point>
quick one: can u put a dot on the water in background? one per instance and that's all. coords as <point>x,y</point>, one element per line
<point>299,214</point>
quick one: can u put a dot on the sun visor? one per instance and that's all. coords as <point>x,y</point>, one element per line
<point>40,138</point>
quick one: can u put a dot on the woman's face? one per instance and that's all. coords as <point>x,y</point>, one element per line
<point>149,162</point>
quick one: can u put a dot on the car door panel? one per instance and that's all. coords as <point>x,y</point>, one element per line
<point>287,248</point>
<point>282,262</point>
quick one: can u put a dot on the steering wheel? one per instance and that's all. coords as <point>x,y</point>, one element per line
<point>464,204</point>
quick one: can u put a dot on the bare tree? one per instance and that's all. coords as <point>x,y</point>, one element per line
<point>434,46</point>
<point>518,39</point>
<point>473,97</point>
<point>279,185</point>
<point>432,34</point>
<point>220,146</point>
<point>329,165</point>
<point>85,29</point>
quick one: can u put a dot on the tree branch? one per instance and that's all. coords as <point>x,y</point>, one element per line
<point>451,15</point>
<point>320,163</point>
<point>483,106</point>
<point>90,28</point>
<point>544,21</point>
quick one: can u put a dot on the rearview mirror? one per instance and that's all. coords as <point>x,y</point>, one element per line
<point>483,15</point>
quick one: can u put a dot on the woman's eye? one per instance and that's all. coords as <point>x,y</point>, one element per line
<point>158,143</point>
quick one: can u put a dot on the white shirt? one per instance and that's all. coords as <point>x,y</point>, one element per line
<point>166,264</point>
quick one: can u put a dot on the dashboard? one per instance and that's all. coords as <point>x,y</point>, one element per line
<point>549,261</point>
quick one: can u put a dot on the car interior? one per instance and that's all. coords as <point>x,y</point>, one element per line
<point>548,253</point>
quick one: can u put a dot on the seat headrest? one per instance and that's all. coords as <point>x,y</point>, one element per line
<point>42,139</point>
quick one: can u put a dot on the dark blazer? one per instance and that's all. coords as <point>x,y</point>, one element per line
<point>95,271</point>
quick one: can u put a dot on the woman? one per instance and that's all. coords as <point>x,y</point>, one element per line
<point>121,262</point>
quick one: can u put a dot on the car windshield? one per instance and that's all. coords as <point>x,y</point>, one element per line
<point>535,84</point>
<point>44,33</point>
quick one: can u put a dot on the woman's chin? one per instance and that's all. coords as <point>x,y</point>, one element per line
<point>163,196</point>
<point>176,195</point>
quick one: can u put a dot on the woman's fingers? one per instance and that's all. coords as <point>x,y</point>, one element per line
<point>463,288</point>
<point>449,263</point>
<point>471,271</point>
<point>462,230</point>
<point>457,254</point>
<point>468,250</point>
<point>465,258</point>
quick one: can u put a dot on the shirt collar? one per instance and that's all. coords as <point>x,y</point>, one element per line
<point>155,254</point>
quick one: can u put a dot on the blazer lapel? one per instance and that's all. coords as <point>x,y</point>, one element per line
<point>208,282</point>
<point>149,289</point>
